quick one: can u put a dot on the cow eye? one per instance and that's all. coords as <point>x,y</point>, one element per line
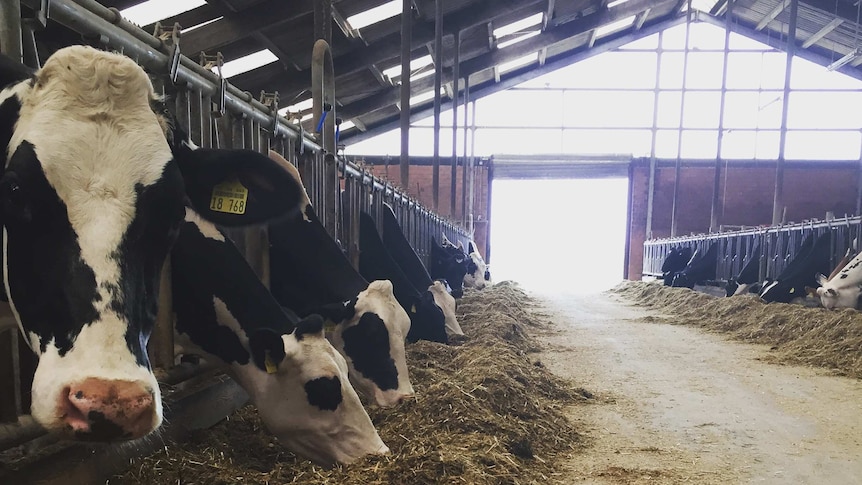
<point>15,204</point>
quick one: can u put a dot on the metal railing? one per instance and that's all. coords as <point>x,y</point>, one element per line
<point>215,114</point>
<point>778,246</point>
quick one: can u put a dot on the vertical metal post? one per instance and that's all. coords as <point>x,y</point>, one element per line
<point>464,158</point>
<point>206,122</point>
<point>652,158</point>
<point>714,222</point>
<point>678,164</point>
<point>454,191</point>
<point>438,81</point>
<point>195,116</point>
<point>778,201</point>
<point>406,40</point>
<point>11,42</point>
<point>323,20</point>
<point>472,173</point>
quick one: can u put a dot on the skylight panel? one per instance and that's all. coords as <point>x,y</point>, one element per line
<point>415,64</point>
<point>521,61</point>
<point>153,10</point>
<point>247,63</point>
<point>614,26</point>
<point>374,15</point>
<point>518,39</point>
<point>519,25</point>
<point>614,3</point>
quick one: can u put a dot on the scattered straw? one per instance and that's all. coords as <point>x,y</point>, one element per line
<point>797,334</point>
<point>485,413</point>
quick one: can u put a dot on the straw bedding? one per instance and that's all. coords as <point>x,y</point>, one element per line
<point>485,413</point>
<point>796,334</point>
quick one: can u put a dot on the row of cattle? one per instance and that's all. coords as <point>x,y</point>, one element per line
<point>804,276</point>
<point>99,188</point>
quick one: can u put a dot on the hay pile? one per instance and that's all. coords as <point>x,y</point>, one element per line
<point>485,413</point>
<point>797,335</point>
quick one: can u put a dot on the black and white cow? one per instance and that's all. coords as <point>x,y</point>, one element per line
<point>310,274</point>
<point>675,261</point>
<point>801,272</point>
<point>295,377</point>
<point>406,258</point>
<point>746,280</point>
<point>93,190</point>
<point>843,287</point>
<point>427,321</point>
<point>478,274</point>
<point>699,269</point>
<point>449,262</point>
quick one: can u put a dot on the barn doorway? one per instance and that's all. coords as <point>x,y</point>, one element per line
<point>559,235</point>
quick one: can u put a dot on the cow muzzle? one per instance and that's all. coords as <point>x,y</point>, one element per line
<point>108,410</point>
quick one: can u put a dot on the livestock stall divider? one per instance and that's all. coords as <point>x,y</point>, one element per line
<point>216,114</point>
<point>778,245</point>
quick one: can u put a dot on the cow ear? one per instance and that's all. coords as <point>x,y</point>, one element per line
<point>238,187</point>
<point>821,279</point>
<point>267,349</point>
<point>310,326</point>
<point>831,292</point>
<point>337,312</point>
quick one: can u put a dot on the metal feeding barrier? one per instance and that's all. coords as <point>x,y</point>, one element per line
<point>218,115</point>
<point>778,246</point>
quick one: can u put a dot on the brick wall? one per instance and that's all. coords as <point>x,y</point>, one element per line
<point>746,195</point>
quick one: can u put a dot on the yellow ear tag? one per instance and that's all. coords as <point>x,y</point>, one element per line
<point>230,197</point>
<point>271,368</point>
<point>329,327</point>
<point>792,291</point>
<point>413,309</point>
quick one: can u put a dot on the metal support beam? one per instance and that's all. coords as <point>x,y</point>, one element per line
<point>772,14</point>
<point>714,220</point>
<point>641,18</point>
<point>464,158</point>
<point>406,40</point>
<point>822,33</point>
<point>438,81</point>
<point>454,177</point>
<point>10,30</point>
<point>323,20</point>
<point>778,201</point>
<point>654,134</point>
<point>677,166</point>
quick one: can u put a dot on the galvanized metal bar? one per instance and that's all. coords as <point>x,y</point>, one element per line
<point>406,40</point>
<point>11,43</point>
<point>714,222</point>
<point>438,81</point>
<point>654,134</point>
<point>206,122</point>
<point>196,125</point>
<point>677,166</point>
<point>464,157</point>
<point>778,200</point>
<point>454,177</point>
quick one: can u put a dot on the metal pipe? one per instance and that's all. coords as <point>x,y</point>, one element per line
<point>454,178</point>
<point>652,159</point>
<point>464,158</point>
<point>677,166</point>
<point>323,20</point>
<point>406,39</point>
<point>472,173</point>
<point>323,93</point>
<point>85,16</point>
<point>11,42</point>
<point>438,81</point>
<point>778,201</point>
<point>714,223</point>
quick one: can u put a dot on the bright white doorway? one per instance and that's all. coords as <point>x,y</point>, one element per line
<point>563,235</point>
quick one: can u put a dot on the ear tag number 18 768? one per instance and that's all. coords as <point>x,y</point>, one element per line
<point>230,197</point>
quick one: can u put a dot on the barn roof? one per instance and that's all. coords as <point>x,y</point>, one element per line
<point>552,34</point>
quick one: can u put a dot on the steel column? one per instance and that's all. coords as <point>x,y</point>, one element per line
<point>677,167</point>
<point>714,223</point>
<point>464,158</point>
<point>11,43</point>
<point>778,201</point>
<point>453,185</point>
<point>438,81</point>
<point>652,159</point>
<point>406,40</point>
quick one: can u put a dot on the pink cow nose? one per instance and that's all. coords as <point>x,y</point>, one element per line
<point>105,410</point>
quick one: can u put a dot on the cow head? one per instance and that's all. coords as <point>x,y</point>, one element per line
<point>371,336</point>
<point>450,263</point>
<point>444,299</point>
<point>304,396</point>
<point>92,194</point>
<point>477,270</point>
<point>427,320</point>
<point>834,295</point>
